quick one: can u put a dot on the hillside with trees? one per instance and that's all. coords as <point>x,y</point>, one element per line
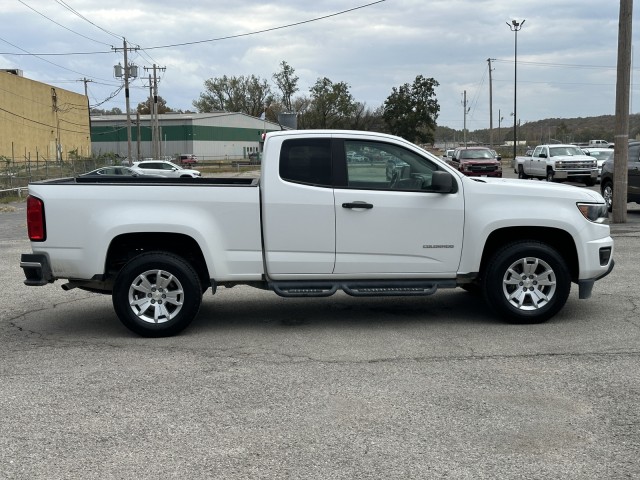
<point>550,130</point>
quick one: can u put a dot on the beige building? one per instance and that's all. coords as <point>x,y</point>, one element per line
<point>39,122</point>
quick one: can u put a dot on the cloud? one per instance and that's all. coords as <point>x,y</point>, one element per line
<point>566,49</point>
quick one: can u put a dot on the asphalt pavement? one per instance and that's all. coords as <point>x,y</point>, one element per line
<point>336,388</point>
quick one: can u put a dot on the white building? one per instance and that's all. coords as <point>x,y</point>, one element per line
<point>209,136</point>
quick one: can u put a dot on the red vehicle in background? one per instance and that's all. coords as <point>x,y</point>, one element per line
<point>476,162</point>
<point>187,159</point>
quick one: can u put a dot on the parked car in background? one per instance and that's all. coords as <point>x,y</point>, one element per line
<point>601,155</point>
<point>633,176</point>
<point>187,159</point>
<point>598,143</point>
<point>163,168</point>
<point>111,171</point>
<point>476,162</point>
<point>254,158</point>
<point>448,155</point>
<point>558,163</point>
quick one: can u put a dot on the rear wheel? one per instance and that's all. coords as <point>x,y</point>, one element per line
<point>527,282</point>
<point>157,294</point>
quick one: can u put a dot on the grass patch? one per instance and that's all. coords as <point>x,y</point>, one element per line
<point>12,199</point>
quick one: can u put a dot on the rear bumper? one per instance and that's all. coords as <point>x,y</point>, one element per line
<point>36,268</point>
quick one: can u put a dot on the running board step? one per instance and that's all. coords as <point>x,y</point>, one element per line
<point>360,288</point>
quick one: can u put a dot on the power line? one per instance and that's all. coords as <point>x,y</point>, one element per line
<point>40,58</point>
<point>41,123</point>
<point>269,29</point>
<point>78,14</point>
<point>218,39</point>
<point>60,25</point>
<point>560,65</point>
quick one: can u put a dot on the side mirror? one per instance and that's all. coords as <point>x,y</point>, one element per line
<point>441,182</point>
<point>542,155</point>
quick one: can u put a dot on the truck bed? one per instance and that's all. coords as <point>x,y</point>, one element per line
<point>217,181</point>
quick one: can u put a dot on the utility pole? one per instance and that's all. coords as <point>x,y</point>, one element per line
<point>621,140</point>
<point>490,106</point>
<point>152,110</point>
<point>155,124</point>
<point>129,71</point>
<point>138,140</point>
<point>466,110</point>
<point>515,26</point>
<point>86,94</point>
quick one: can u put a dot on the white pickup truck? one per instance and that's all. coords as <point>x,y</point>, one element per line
<point>558,163</point>
<point>316,223</point>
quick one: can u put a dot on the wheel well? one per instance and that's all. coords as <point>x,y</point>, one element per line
<point>558,239</point>
<point>125,247</point>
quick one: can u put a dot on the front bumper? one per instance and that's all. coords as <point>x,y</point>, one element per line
<point>566,174</point>
<point>586,286</point>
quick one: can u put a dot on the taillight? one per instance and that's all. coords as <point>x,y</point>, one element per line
<point>36,226</point>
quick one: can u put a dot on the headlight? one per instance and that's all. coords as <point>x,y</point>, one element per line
<point>594,212</point>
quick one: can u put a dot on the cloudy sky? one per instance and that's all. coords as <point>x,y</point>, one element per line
<point>567,49</point>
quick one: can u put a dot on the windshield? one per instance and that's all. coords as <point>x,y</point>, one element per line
<point>477,154</point>
<point>567,150</point>
<point>603,155</point>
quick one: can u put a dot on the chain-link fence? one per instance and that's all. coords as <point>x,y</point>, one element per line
<point>15,174</point>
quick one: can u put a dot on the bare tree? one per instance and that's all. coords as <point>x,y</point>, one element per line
<point>287,83</point>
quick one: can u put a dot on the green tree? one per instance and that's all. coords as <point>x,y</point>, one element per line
<point>411,111</point>
<point>287,83</point>
<point>331,105</point>
<point>235,94</point>
<point>144,108</point>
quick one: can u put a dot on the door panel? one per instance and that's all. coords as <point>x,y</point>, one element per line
<point>402,233</point>
<point>401,228</point>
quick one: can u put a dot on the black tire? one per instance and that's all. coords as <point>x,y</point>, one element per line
<point>607,192</point>
<point>521,173</point>
<point>590,182</point>
<point>172,287</point>
<point>533,298</point>
<point>550,176</point>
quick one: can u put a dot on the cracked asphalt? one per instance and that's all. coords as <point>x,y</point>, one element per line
<point>335,388</point>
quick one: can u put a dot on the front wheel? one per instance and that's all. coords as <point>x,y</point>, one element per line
<point>527,282</point>
<point>550,175</point>
<point>521,173</point>
<point>590,182</point>
<point>607,193</point>
<point>157,294</point>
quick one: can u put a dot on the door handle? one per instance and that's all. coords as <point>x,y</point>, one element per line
<point>357,205</point>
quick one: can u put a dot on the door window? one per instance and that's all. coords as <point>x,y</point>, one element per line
<point>382,166</point>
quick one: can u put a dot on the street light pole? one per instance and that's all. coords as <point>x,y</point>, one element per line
<point>515,26</point>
